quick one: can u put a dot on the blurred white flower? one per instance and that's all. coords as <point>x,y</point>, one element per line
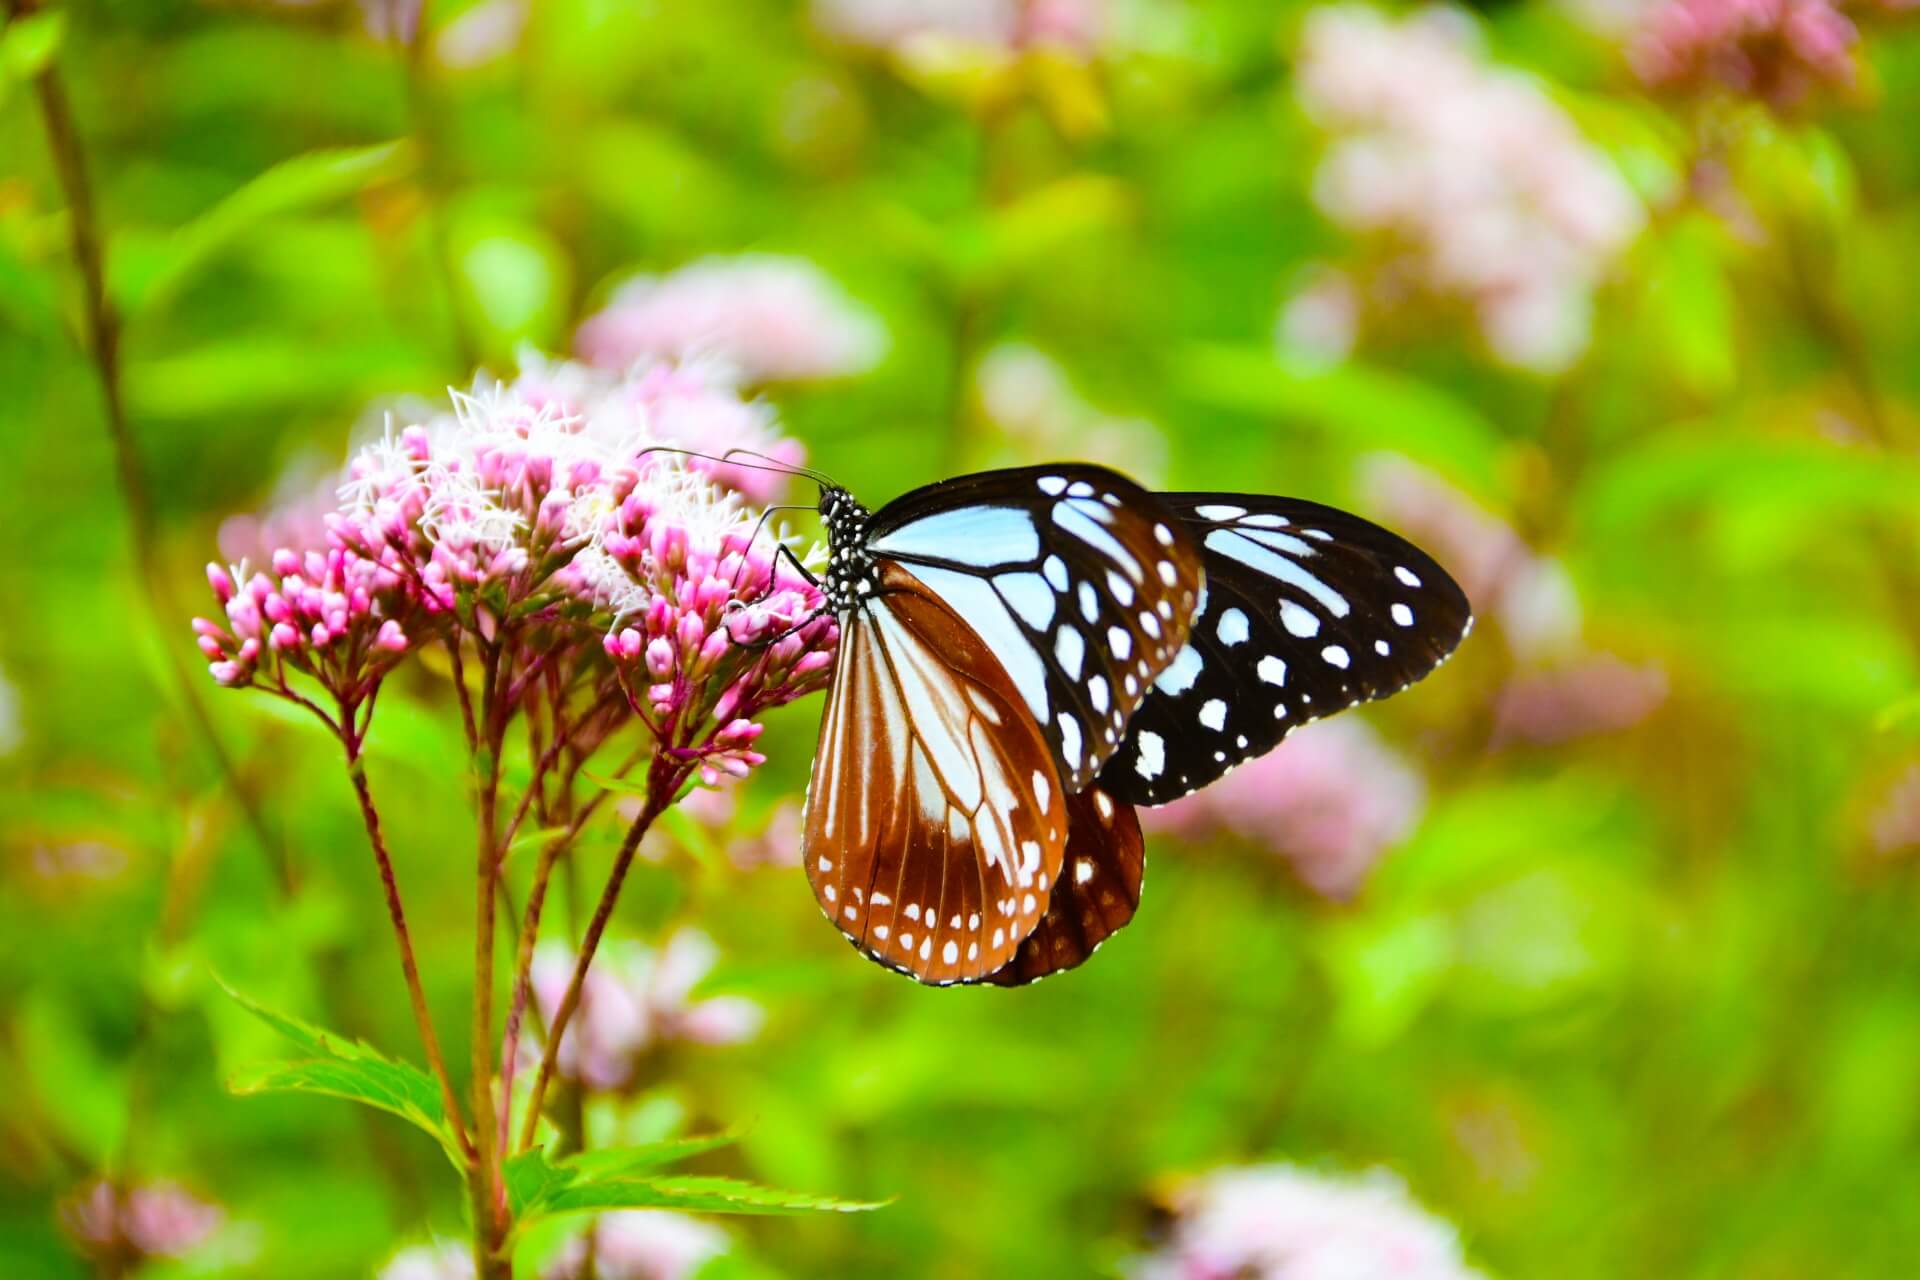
<point>641,1244</point>
<point>1275,1222</point>
<point>1029,400</point>
<point>1331,800</point>
<point>11,733</point>
<point>449,1261</point>
<point>1001,26</point>
<point>636,998</point>
<point>1463,176</point>
<point>765,317</point>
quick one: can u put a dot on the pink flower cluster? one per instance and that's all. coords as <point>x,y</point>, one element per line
<point>1331,800</point>
<point>1275,1222</point>
<point>636,1000</point>
<point>762,317</point>
<point>640,1244</point>
<point>1893,826</point>
<point>131,1223</point>
<point>1467,182</point>
<point>1776,50</point>
<point>551,501</point>
<point>705,620</point>
<point>1003,26</point>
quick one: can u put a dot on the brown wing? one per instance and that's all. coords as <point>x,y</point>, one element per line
<point>1099,888</point>
<point>935,819</point>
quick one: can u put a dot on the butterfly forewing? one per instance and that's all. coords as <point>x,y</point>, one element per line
<point>935,819</point>
<point>1099,889</point>
<point>1080,582</point>
<point>1307,611</point>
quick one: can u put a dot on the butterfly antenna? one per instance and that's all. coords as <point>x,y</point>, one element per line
<point>774,464</point>
<point>728,459</point>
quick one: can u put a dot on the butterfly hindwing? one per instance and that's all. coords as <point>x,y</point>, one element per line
<point>1098,890</point>
<point>935,820</point>
<point>1308,610</point>
<point>1080,582</point>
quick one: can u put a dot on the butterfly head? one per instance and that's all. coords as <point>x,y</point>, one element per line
<point>851,574</point>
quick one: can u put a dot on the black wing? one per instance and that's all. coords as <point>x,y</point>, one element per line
<point>1081,583</point>
<point>1307,611</point>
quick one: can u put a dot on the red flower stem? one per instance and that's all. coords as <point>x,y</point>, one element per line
<point>370,815</point>
<point>530,936</point>
<point>489,1200</point>
<point>663,785</point>
<point>545,763</point>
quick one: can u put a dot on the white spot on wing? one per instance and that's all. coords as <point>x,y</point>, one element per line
<point>1151,759</point>
<point>1298,621</point>
<point>1053,486</point>
<point>1219,511</point>
<point>1402,614</point>
<point>1232,628</point>
<point>1335,655</point>
<point>1271,669</point>
<point>1181,672</point>
<point>1213,714</point>
<point>1069,648</point>
<point>1405,575</point>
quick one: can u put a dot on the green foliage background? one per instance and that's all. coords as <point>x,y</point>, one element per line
<point>1644,1004</point>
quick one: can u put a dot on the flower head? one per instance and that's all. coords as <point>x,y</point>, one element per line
<point>1596,693</point>
<point>1779,51</point>
<point>764,317</point>
<point>1275,1222</point>
<point>1466,182</point>
<point>1330,800</point>
<point>635,1000</point>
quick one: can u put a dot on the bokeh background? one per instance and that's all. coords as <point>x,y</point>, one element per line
<point>1601,941</point>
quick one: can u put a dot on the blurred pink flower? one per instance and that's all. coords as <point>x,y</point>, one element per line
<point>147,1220</point>
<point>1531,595</point>
<point>450,1261</point>
<point>990,25</point>
<point>1593,694</point>
<point>1465,178</point>
<point>1894,824</point>
<point>1321,319</point>
<point>641,1244</point>
<point>636,999</point>
<point>1777,50</point>
<point>764,317</point>
<point>1274,1222</point>
<point>488,31</point>
<point>1034,407</point>
<point>777,844</point>
<point>11,732</point>
<point>1331,800</point>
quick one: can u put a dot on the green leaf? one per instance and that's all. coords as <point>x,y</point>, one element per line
<point>28,45</point>
<point>340,1068</point>
<point>609,1179</point>
<point>623,786</point>
<point>629,1161</point>
<point>316,178</point>
<point>699,1195</point>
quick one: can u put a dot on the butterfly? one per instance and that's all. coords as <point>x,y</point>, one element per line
<point>1025,655</point>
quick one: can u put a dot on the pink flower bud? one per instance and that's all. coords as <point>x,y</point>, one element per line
<point>221,582</point>
<point>228,673</point>
<point>811,662</point>
<point>204,627</point>
<point>284,637</point>
<point>209,646</point>
<point>692,631</point>
<point>320,636</point>
<point>660,656</point>
<point>391,637</point>
<point>285,562</point>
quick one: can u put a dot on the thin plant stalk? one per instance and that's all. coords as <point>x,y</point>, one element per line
<point>103,350</point>
<point>396,912</point>
<point>664,780</point>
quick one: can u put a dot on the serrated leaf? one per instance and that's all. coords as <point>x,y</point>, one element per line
<point>697,1195</point>
<point>627,1161</point>
<point>318,177</point>
<point>341,1068</point>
